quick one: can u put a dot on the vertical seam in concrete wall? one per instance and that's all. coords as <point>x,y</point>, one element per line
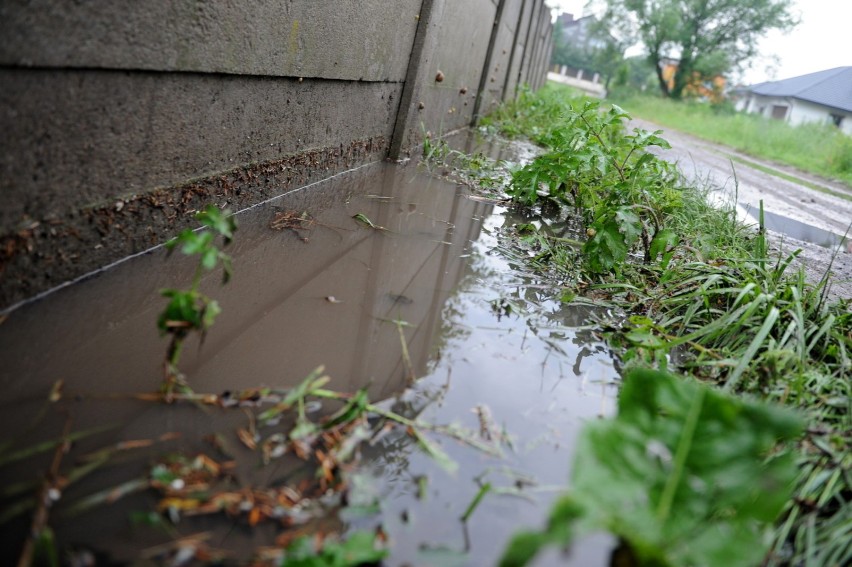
<point>527,48</point>
<point>403,114</point>
<point>548,56</point>
<point>532,68</point>
<point>489,55</point>
<point>545,51</point>
<point>514,49</point>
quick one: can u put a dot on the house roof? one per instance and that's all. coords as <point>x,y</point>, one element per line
<point>832,87</point>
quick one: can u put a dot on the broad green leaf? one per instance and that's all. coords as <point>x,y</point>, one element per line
<point>360,548</point>
<point>629,224</point>
<point>606,248</point>
<point>686,475</point>
<point>661,241</point>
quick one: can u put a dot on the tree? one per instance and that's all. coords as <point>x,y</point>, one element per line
<point>600,52</point>
<point>707,37</point>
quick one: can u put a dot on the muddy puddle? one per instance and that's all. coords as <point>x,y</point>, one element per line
<point>328,290</point>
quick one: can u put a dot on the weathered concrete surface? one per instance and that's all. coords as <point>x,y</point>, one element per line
<point>493,80</point>
<point>89,137</point>
<point>541,31</point>
<point>344,39</point>
<point>529,43</point>
<point>544,45</point>
<point>102,141</point>
<point>122,118</point>
<point>455,44</point>
<point>513,80</point>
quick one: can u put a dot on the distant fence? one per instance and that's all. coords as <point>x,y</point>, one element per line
<point>120,118</point>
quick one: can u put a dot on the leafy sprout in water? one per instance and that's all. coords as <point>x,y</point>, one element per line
<point>188,310</point>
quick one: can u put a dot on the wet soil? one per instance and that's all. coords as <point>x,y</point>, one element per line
<point>481,333</point>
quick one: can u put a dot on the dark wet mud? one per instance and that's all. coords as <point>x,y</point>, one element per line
<point>488,346</point>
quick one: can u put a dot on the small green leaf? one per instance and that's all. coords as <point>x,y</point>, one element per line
<point>361,217</point>
<point>606,249</point>
<point>221,221</point>
<point>196,242</point>
<point>209,258</point>
<point>433,450</point>
<point>661,241</point>
<point>211,310</point>
<point>360,548</point>
<point>629,224</point>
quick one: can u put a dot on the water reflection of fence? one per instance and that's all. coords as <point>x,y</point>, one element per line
<point>405,273</point>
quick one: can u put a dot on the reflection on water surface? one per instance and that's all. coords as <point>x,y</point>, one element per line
<point>326,292</point>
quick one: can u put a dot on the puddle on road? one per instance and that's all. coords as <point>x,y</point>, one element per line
<point>795,229</point>
<point>434,267</point>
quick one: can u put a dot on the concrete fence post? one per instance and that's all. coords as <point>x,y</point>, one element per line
<point>407,110</point>
<point>484,78</point>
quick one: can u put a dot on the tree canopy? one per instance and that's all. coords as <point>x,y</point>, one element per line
<point>704,37</point>
<point>604,56</point>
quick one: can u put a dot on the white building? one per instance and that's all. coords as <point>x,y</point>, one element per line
<point>824,96</point>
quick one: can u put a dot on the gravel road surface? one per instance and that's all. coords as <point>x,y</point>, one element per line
<point>812,214</point>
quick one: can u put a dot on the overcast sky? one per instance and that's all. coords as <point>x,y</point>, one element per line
<point>822,40</point>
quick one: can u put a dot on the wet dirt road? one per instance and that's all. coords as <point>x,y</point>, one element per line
<point>812,214</point>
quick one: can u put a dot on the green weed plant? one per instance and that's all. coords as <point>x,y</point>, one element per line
<point>188,310</point>
<point>685,475</point>
<point>718,307</point>
<point>622,192</point>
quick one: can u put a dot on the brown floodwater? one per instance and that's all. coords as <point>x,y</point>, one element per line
<point>324,294</point>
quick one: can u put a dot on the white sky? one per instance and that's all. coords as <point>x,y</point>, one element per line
<point>822,40</point>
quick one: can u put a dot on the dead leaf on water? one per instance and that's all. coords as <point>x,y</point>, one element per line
<point>56,391</point>
<point>247,439</point>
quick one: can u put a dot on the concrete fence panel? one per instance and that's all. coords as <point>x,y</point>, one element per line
<point>122,118</point>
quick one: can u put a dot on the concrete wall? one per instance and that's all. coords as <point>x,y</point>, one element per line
<point>122,118</point>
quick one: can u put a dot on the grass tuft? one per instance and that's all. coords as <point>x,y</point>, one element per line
<point>818,148</point>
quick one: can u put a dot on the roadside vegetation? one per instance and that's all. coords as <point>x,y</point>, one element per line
<point>817,148</point>
<point>694,293</point>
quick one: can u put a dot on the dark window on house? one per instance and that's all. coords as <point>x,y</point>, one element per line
<point>779,112</point>
<point>836,119</point>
